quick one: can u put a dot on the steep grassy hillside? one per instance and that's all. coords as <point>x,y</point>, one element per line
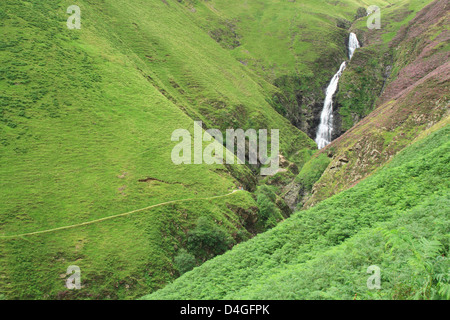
<point>85,125</point>
<point>295,45</point>
<point>396,219</point>
<point>86,118</point>
<point>191,69</point>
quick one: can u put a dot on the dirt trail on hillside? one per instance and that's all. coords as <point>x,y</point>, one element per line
<point>114,216</point>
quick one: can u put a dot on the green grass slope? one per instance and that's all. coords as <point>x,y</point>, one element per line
<point>84,115</point>
<point>294,45</point>
<point>397,219</point>
<point>190,68</point>
<point>86,118</point>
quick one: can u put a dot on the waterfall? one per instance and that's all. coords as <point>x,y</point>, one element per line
<point>326,118</point>
<point>325,130</point>
<point>353,44</point>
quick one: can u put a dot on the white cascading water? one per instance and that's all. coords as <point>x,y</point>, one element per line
<point>353,44</point>
<point>326,118</point>
<point>325,130</point>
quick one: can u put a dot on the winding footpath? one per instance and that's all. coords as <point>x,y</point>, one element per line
<point>114,216</point>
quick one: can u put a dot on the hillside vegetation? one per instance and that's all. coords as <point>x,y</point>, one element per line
<point>396,219</point>
<point>382,55</point>
<point>85,127</point>
<point>415,97</point>
<point>86,176</point>
<point>295,45</point>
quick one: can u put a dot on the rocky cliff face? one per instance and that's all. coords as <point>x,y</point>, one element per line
<point>301,107</point>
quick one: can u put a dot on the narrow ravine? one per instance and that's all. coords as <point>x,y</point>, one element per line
<point>325,129</point>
